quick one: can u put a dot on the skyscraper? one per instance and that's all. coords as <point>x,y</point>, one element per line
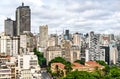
<point>43,36</point>
<point>10,27</point>
<point>23,19</point>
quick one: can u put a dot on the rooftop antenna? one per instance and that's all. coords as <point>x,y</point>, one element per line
<point>56,32</point>
<point>34,32</point>
<point>22,4</point>
<point>63,30</point>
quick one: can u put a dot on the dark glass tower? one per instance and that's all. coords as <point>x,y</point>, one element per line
<point>23,19</point>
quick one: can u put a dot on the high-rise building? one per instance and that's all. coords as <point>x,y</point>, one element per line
<point>9,45</point>
<point>5,44</point>
<point>23,19</point>
<point>118,48</point>
<point>43,36</point>
<point>26,42</point>
<point>93,46</point>
<point>10,27</point>
<point>77,39</point>
<point>107,53</point>
<point>113,53</point>
<point>67,35</point>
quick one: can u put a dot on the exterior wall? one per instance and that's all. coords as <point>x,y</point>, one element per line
<point>113,54</point>
<point>27,61</point>
<point>77,39</point>
<point>9,45</point>
<point>75,55</point>
<point>28,66</point>
<point>52,54</point>
<point>5,73</point>
<point>6,44</point>
<point>25,74</point>
<point>26,43</point>
<point>4,58</point>
<point>87,55</point>
<point>10,27</point>
<point>12,66</point>
<point>53,40</point>
<point>15,45</point>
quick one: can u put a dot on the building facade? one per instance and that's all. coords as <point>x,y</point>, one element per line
<point>10,27</point>
<point>26,42</point>
<point>27,66</point>
<point>43,36</point>
<point>23,19</point>
<point>9,45</point>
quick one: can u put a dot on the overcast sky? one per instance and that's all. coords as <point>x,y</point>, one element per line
<point>101,16</point>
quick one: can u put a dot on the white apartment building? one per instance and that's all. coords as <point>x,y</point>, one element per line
<point>26,65</point>
<point>27,61</point>
<point>26,42</point>
<point>113,53</point>
<point>77,39</point>
<point>15,45</point>
<point>5,72</point>
<point>9,45</point>
<point>6,45</point>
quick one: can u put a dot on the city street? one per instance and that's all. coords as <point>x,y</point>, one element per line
<point>45,75</point>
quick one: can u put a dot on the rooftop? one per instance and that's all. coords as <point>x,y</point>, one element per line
<point>54,48</point>
<point>59,65</point>
<point>92,63</point>
<point>77,65</point>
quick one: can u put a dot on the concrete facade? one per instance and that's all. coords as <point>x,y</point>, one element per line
<point>23,19</point>
<point>10,27</point>
<point>26,42</point>
<point>43,36</point>
<point>9,45</point>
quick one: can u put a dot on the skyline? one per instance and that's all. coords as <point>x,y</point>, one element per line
<point>77,16</point>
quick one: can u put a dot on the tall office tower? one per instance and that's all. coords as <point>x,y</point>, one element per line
<point>23,19</point>
<point>67,34</point>
<point>43,36</point>
<point>10,27</point>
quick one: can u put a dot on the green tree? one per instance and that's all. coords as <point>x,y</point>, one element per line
<point>68,68</point>
<point>41,59</point>
<point>79,75</point>
<point>57,59</point>
<point>101,63</point>
<point>80,61</point>
<point>106,70</point>
<point>115,72</point>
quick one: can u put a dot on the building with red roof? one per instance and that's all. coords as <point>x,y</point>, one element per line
<point>58,67</point>
<point>89,66</point>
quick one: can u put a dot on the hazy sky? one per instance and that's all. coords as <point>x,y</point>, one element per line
<point>101,16</point>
